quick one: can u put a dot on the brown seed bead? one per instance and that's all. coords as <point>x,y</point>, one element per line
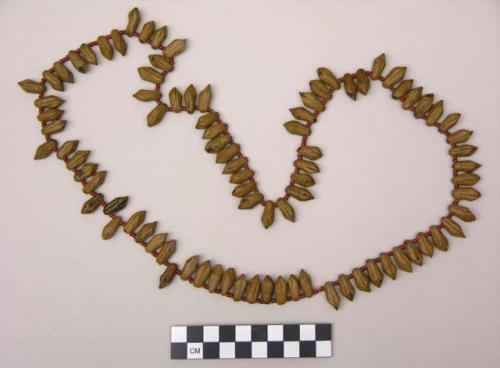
<point>63,73</point>
<point>296,128</point>
<point>243,189</point>
<point>207,120</point>
<point>267,288</point>
<point>118,42</point>
<point>31,86</point>
<point>189,267</point>
<point>166,252</point>
<point>460,136</point>
<point>45,149</point>
<point>361,280</point>
<point>50,115</point>
<point>402,89</point>
<point>293,286</point>
<point>463,150</point>
<point>156,115</point>
<point>250,201</point>
<point>439,239</point>
<point>303,114</point>
<point>425,245</point>
<point>77,159</point>
<point>53,80</point>
<point>235,165</point>
<point>467,194</point>
<point>168,275</point>
<point>202,274</point>
<point>310,152</point>
<point>332,297</point>
<point>115,205</point>
<point>214,278</point>
<point>67,148</point>
<point>227,153</point>
<point>158,37</point>
<point>306,283</point>
<point>253,289</point>
<point>92,204</point>
<point>174,48</point>
<point>304,180</point>
<point>267,217</point>
<point>190,99</point>
<point>95,182</point>
<point>78,63</point>
<point>329,78</point>
<point>300,194</point>
<point>216,144</point>
<point>412,98</point>
<point>110,229</point>
<point>85,171</point>
<point>311,101</point>
<point>449,122</point>
<point>435,113</point>
<point>346,288</point>
<point>463,213</point>
<point>146,32</point>
<point>239,287</point>
<point>175,99</point>
<point>466,166</point>
<point>374,274</point>
<point>378,66</point>
<point>204,99</point>
<point>134,221</point>
<point>351,87</point>
<point>465,179</point>
<point>145,232</point>
<point>280,290</point>
<point>452,227</point>
<point>363,81</point>
<point>307,166</point>
<point>401,259</point>
<point>286,209</point>
<point>396,75</point>
<point>388,266</point>
<point>228,277</point>
<point>320,89</point>
<point>151,75</point>
<point>48,102</point>
<point>413,253</point>
<point>241,176</point>
<point>214,131</point>
<point>88,54</point>
<point>156,242</point>
<point>161,62</point>
<point>147,95</point>
<point>134,18</point>
<point>424,105</point>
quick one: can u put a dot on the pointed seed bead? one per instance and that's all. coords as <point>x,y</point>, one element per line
<point>227,153</point>
<point>134,221</point>
<point>350,86</point>
<point>88,54</point>
<point>294,287</point>
<point>439,239</point>
<point>158,37</point>
<point>425,245</point>
<point>320,89</point>
<point>110,229</point>
<point>361,280</point>
<point>214,278</point>
<point>466,166</point>
<point>329,78</point>
<point>267,218</point>
<point>465,179</point>
<point>241,176</point>
<point>77,61</point>
<point>466,194</point>
<point>234,165</point>
<point>449,122</point>
<point>388,265</point>
<point>374,273</point>
<point>145,232</point>
<point>363,81</point>
<point>267,288</point>
<point>48,102</point>
<point>54,127</point>
<point>378,66</point>
<point>166,252</point>
<point>85,171</point>
<point>435,113</point>
<point>228,277</point>
<point>253,289</point>
<point>346,288</point>
<point>401,259</point>
<point>452,227</point>
<point>134,18</point>
<point>424,105</point>
<point>300,194</point>
<point>156,115</point>
<point>161,62</point>
<point>311,101</point>
<point>31,86</point>
<point>174,48</point>
<point>306,283</point>
<point>286,209</point>
<point>202,274</point>
<point>147,95</point>
<point>243,189</point>
<point>175,99</point>
<point>67,148</point>
<point>204,99</point>
<point>310,152</point>
<point>239,287</point>
<point>189,267</point>
<point>95,182</point>
<point>463,150</point>
<point>332,297</point>
<point>190,99</point>
<point>77,159</point>
<point>460,136</point>
<point>301,113</point>
<point>412,97</point>
<point>396,75</point>
<point>168,275</point>
<point>63,73</point>
<point>413,253</point>
<point>280,290</point>
<point>463,213</point>
<point>207,120</point>
<point>307,166</point>
<point>45,149</point>
<point>250,201</point>
<point>147,31</point>
<point>402,89</point>
<point>53,80</point>
<point>118,42</point>
<point>92,204</point>
<point>156,242</point>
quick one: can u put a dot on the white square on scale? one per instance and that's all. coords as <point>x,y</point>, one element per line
<point>259,349</point>
<point>243,333</point>
<point>291,349</point>
<point>324,348</point>
<point>307,332</point>
<point>227,350</point>
<point>178,334</point>
<point>210,333</point>
<point>275,333</point>
<point>195,350</point>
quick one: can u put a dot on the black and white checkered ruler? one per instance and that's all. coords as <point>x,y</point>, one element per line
<point>251,341</point>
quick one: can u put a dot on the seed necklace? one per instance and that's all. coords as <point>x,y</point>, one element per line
<point>225,280</point>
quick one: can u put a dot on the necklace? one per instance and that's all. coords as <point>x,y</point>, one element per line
<point>226,281</point>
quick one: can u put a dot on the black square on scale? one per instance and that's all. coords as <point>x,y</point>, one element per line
<point>259,332</point>
<point>291,332</point>
<point>194,333</point>
<point>243,349</point>
<point>275,349</point>
<point>210,350</point>
<point>323,331</point>
<point>227,333</point>
<point>307,349</point>
<point>178,350</point>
